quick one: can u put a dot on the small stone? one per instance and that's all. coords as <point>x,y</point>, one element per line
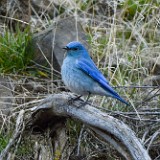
<point>152,80</point>
<point>151,60</point>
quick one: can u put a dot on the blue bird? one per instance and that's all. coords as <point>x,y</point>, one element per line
<point>81,76</point>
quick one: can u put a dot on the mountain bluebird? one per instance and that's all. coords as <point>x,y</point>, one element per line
<point>81,76</point>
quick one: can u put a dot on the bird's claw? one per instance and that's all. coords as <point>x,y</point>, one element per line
<point>71,100</point>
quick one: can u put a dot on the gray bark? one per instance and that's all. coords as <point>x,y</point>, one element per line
<point>105,127</point>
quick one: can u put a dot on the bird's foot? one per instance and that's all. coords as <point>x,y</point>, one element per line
<point>86,101</point>
<point>71,100</point>
<point>82,104</point>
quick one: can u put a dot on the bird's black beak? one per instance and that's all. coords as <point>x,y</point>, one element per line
<point>66,48</point>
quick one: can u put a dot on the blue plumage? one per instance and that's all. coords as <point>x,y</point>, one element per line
<point>81,76</point>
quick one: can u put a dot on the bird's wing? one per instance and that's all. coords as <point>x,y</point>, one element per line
<point>91,70</point>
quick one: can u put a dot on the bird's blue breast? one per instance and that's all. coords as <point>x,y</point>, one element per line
<point>75,79</point>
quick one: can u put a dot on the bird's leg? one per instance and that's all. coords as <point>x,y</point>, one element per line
<point>71,100</point>
<point>89,94</point>
<point>85,102</point>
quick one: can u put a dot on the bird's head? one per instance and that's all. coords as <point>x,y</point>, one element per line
<point>75,49</point>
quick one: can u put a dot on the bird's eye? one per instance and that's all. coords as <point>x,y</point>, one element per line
<point>75,49</point>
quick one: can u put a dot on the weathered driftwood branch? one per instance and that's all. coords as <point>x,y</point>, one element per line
<point>104,126</point>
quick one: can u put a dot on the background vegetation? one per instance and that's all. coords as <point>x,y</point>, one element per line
<point>124,40</point>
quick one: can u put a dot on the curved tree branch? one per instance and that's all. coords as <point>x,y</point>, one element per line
<point>106,127</point>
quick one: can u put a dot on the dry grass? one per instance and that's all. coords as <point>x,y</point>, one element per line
<point>119,36</point>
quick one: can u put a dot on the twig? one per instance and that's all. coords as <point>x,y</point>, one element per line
<point>16,20</point>
<point>131,86</point>
<point>153,138</point>
<point>79,139</point>
<point>18,132</point>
